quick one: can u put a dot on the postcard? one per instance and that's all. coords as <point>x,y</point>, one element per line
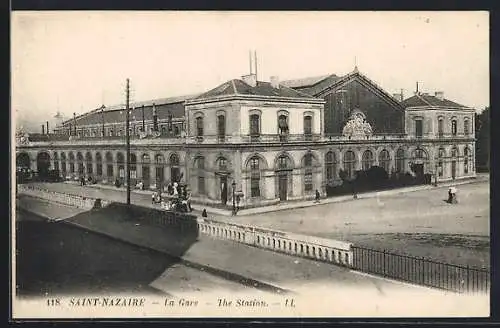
<point>171,164</point>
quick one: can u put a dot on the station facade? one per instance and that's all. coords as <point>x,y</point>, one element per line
<point>267,142</point>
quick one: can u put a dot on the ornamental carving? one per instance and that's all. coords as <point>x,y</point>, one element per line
<point>357,127</point>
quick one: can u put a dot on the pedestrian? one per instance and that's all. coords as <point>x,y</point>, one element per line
<point>318,196</point>
<point>454,195</point>
<point>153,198</point>
<point>204,213</point>
<point>450,196</point>
<point>169,189</point>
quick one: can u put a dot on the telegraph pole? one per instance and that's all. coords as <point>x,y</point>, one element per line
<point>127,133</point>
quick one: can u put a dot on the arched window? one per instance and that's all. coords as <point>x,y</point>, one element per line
<point>466,160</point>
<point>400,160</point>
<point>109,165</point>
<point>56,161</point>
<point>367,160</point>
<point>160,170</point>
<point>79,160</point>
<point>254,126</point>
<point>349,164</point>
<point>331,166</point>
<point>466,127</point>
<point>384,160</point>
<point>441,156</point>
<point>440,126</point>
<point>454,126</point>
<point>63,164</point>
<point>133,167</point>
<point>255,176</point>
<point>283,124</point>
<point>308,176</point>
<point>199,126</point>
<point>221,127</point>
<point>71,162</point>
<point>120,160</point>
<point>308,127</point>
<point>200,166</point>
<point>98,159</point>
<point>88,162</point>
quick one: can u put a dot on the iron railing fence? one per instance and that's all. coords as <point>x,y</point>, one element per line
<point>421,271</point>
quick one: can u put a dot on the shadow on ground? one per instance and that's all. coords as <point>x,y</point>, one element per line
<point>60,258</point>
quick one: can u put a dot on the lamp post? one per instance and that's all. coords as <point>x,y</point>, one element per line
<point>234,198</point>
<point>436,176</point>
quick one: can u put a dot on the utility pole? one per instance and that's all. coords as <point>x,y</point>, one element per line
<point>127,133</point>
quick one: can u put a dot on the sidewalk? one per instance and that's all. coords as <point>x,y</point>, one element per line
<point>278,271</point>
<point>144,196</point>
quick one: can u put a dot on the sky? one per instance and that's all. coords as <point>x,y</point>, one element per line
<point>73,62</point>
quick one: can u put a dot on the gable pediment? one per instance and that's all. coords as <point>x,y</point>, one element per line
<point>364,82</point>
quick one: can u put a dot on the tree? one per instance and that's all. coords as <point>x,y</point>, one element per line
<point>482,129</point>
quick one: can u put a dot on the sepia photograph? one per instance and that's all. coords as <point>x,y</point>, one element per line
<point>230,164</point>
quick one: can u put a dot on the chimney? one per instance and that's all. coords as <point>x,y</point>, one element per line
<point>43,128</point>
<point>439,95</point>
<point>250,79</point>
<point>47,127</point>
<point>398,96</point>
<point>275,82</point>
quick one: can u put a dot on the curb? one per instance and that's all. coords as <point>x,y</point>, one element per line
<point>328,200</point>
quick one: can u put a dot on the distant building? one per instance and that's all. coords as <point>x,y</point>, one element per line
<point>277,141</point>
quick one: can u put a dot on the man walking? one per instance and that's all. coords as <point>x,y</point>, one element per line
<point>318,196</point>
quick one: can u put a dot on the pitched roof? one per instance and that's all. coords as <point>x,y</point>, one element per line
<point>428,100</point>
<point>304,82</point>
<point>115,113</point>
<point>239,87</point>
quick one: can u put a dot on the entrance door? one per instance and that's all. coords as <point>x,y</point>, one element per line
<point>419,172</point>
<point>283,186</point>
<point>175,174</point>
<point>145,177</point>
<point>109,171</point>
<point>223,190</point>
<point>453,169</point>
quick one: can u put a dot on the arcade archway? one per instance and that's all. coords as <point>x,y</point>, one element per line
<point>43,164</point>
<point>23,160</point>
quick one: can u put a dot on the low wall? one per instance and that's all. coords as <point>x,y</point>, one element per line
<point>320,249</point>
<point>62,198</point>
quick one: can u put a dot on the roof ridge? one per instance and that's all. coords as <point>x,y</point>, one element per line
<point>297,91</point>
<point>424,100</point>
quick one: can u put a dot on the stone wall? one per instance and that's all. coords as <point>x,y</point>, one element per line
<point>62,198</point>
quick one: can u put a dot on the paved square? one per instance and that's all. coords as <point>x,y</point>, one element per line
<point>418,223</point>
